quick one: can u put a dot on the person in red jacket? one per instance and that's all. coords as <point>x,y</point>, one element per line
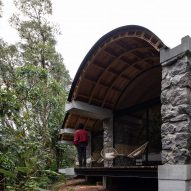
<point>81,142</point>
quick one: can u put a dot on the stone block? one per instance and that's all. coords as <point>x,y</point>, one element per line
<point>164,72</point>
<point>182,80</point>
<point>181,156</point>
<point>179,118</point>
<point>168,142</point>
<point>168,112</point>
<point>174,177</point>
<point>166,157</point>
<point>178,127</point>
<point>70,172</point>
<point>180,137</point>
<point>166,83</point>
<point>174,172</point>
<point>176,96</point>
<point>180,67</point>
<point>167,128</point>
<point>174,185</point>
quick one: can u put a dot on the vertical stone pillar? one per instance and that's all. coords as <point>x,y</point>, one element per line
<point>176,103</point>
<point>176,117</point>
<point>88,151</point>
<point>108,138</point>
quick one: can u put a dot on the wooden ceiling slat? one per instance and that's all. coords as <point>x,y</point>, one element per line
<point>98,65</point>
<point>122,45</point>
<point>94,99</point>
<point>83,73</point>
<point>138,54</point>
<point>137,67</point>
<point>113,71</point>
<point>149,68</point>
<point>110,53</point>
<point>109,67</point>
<point>125,60</point>
<point>89,123</point>
<point>125,77</point>
<point>102,84</point>
<point>85,124</point>
<point>108,91</point>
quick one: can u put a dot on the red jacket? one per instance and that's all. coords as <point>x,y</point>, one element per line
<point>80,135</point>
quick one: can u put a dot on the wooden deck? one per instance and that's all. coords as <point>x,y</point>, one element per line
<point>128,171</point>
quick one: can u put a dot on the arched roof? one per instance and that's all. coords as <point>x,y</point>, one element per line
<point>122,64</point>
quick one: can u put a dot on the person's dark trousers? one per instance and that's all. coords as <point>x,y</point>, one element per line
<point>82,154</point>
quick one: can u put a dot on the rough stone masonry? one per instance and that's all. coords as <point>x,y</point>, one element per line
<point>176,105</point>
<point>108,138</point>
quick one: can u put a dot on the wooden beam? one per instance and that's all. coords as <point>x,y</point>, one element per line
<point>87,110</point>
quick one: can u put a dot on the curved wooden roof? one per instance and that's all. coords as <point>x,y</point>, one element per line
<point>118,71</point>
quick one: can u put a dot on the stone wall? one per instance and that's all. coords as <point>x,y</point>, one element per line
<point>176,109</point>
<point>108,139</point>
<point>176,118</point>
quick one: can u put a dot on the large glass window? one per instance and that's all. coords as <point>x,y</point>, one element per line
<point>133,129</point>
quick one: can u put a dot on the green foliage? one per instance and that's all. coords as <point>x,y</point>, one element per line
<point>68,154</point>
<point>34,86</point>
<point>8,103</point>
<point>33,7</point>
<point>7,173</point>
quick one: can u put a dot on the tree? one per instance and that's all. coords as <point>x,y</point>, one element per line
<point>34,86</point>
<point>0,7</point>
<point>39,55</point>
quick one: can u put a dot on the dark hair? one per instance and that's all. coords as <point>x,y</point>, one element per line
<point>80,126</point>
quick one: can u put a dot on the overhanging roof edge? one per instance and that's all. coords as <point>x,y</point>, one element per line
<point>86,109</point>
